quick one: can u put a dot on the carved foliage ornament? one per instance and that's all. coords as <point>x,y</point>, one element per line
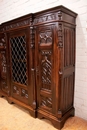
<point>45,37</point>
<point>60,37</point>
<point>19,24</point>
<point>32,37</point>
<point>48,18</point>
<point>45,18</point>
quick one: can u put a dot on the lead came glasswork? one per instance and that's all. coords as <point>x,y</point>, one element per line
<point>18,59</point>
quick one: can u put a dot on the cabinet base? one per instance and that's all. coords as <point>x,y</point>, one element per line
<point>57,123</point>
<point>12,100</point>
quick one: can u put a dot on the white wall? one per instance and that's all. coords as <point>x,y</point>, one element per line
<point>10,9</point>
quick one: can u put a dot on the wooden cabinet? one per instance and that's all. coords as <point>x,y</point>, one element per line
<point>19,63</point>
<point>37,63</point>
<point>55,64</point>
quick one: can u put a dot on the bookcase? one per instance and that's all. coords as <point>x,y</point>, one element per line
<point>37,63</point>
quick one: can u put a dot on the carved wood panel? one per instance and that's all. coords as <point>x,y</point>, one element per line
<point>45,65</point>
<point>46,70</point>
<point>48,17</point>
<point>45,18</point>
<point>18,24</point>
<point>3,65</point>
<point>67,91</point>
<point>20,93</point>
<point>4,86</point>
<point>20,66</point>
<point>69,47</point>
<point>46,102</point>
<point>45,41</point>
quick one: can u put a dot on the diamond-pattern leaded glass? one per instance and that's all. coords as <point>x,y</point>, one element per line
<point>18,59</point>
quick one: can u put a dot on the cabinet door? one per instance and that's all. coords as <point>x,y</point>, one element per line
<point>45,66</point>
<point>4,74</point>
<point>20,65</point>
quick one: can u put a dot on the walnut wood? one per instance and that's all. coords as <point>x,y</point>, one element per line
<point>40,48</point>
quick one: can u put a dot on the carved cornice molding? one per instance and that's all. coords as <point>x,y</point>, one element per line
<point>18,24</point>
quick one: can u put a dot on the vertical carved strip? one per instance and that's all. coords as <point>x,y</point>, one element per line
<point>32,62</point>
<point>60,47</point>
<point>33,83</point>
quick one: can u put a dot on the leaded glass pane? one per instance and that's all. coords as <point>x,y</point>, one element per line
<point>18,59</point>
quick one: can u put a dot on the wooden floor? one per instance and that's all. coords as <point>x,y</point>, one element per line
<point>13,117</point>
